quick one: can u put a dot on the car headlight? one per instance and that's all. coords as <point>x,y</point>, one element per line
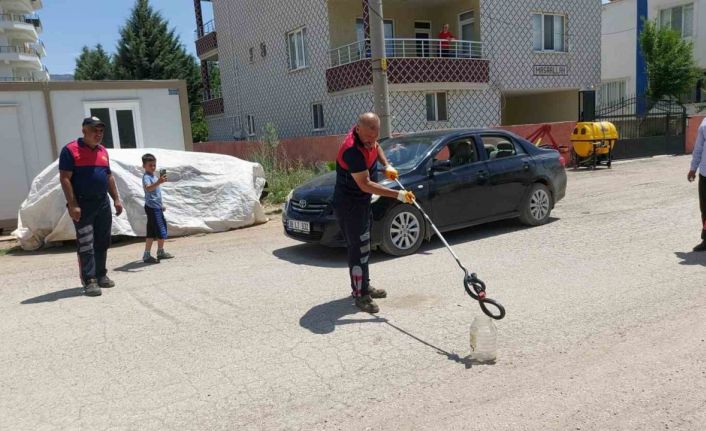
<point>374,199</point>
<point>289,198</point>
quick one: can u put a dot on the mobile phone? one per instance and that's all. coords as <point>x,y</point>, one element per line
<point>162,172</point>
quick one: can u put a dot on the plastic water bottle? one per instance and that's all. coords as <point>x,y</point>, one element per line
<point>484,339</point>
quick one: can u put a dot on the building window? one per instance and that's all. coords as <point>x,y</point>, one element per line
<point>436,107</point>
<point>679,19</point>
<point>297,47</point>
<point>549,32</point>
<point>612,91</point>
<point>318,112</point>
<point>263,50</point>
<point>251,54</point>
<point>251,125</point>
<point>123,127</point>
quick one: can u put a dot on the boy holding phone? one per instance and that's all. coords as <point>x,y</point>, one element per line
<point>156,223</point>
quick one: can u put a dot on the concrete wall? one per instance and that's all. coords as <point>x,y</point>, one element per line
<point>619,42</point>
<point>342,15</point>
<point>692,130</point>
<point>308,149</point>
<point>541,108</point>
<point>160,114</point>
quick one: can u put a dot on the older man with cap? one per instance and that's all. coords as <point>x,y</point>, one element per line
<point>84,170</point>
<point>355,186</point>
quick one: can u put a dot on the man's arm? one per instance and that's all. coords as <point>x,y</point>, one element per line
<point>381,156</point>
<point>368,186</point>
<point>698,149</point>
<point>74,209</point>
<point>113,190</point>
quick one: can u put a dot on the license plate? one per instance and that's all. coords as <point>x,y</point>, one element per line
<point>299,226</point>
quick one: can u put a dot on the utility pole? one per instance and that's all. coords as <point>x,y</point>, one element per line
<point>379,61</point>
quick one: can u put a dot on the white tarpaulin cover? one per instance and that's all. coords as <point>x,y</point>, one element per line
<point>205,193</point>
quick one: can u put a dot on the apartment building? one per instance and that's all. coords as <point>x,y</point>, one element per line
<point>304,65</point>
<point>21,50</point>
<point>623,71</point>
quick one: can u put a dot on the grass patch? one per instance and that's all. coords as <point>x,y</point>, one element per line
<point>282,173</point>
<point>9,250</point>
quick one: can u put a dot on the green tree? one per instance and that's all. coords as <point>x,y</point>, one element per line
<point>149,49</point>
<point>671,67</point>
<point>199,127</point>
<point>93,64</point>
<point>214,72</point>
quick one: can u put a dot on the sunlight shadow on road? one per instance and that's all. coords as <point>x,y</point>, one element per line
<point>324,318</point>
<point>691,258</point>
<point>466,361</point>
<point>133,266</point>
<point>55,296</point>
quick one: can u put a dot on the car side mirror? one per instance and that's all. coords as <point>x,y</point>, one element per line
<point>441,165</point>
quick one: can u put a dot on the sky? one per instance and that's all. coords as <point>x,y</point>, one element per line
<point>71,24</point>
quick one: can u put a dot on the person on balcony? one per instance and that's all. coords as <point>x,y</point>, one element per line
<point>446,38</point>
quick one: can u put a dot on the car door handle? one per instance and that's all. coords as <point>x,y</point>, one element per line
<point>526,166</point>
<point>482,175</point>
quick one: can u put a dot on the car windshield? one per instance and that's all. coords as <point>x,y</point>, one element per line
<point>405,152</point>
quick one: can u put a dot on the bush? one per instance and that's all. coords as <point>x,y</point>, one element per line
<point>283,174</point>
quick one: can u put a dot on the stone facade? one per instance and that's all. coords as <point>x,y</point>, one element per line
<point>257,82</point>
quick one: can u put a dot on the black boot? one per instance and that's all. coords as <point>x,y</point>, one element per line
<point>701,247</point>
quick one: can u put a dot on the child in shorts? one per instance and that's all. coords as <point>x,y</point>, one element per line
<point>156,223</point>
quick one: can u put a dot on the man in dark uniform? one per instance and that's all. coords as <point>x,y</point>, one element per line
<point>354,188</point>
<point>84,170</point>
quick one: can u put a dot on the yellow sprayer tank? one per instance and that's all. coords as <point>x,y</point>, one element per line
<point>593,141</point>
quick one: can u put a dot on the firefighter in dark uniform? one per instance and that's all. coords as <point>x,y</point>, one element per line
<point>355,186</point>
<point>84,170</point>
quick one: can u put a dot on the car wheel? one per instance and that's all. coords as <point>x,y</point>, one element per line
<point>538,205</point>
<point>403,231</point>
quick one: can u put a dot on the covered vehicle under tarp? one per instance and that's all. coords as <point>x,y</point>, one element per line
<point>204,193</point>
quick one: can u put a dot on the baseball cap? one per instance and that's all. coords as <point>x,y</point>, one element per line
<point>93,122</point>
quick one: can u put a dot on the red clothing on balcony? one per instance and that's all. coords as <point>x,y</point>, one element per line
<point>446,37</point>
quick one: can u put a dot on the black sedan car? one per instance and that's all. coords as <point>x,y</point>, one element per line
<point>460,177</point>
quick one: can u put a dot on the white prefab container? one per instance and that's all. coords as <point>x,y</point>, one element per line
<point>37,119</point>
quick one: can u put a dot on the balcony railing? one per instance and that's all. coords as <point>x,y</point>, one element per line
<point>18,50</point>
<point>21,19</point>
<point>215,93</point>
<point>408,48</point>
<point>207,28</point>
<point>16,79</point>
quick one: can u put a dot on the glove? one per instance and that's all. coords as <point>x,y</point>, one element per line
<point>406,197</point>
<point>391,173</point>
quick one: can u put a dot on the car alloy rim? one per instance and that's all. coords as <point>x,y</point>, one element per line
<point>539,204</point>
<point>405,230</point>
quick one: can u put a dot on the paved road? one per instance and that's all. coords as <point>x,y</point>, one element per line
<point>249,330</point>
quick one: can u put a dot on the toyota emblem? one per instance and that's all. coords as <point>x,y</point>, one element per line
<point>302,203</point>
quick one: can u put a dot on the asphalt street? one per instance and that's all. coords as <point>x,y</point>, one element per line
<point>605,327</point>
